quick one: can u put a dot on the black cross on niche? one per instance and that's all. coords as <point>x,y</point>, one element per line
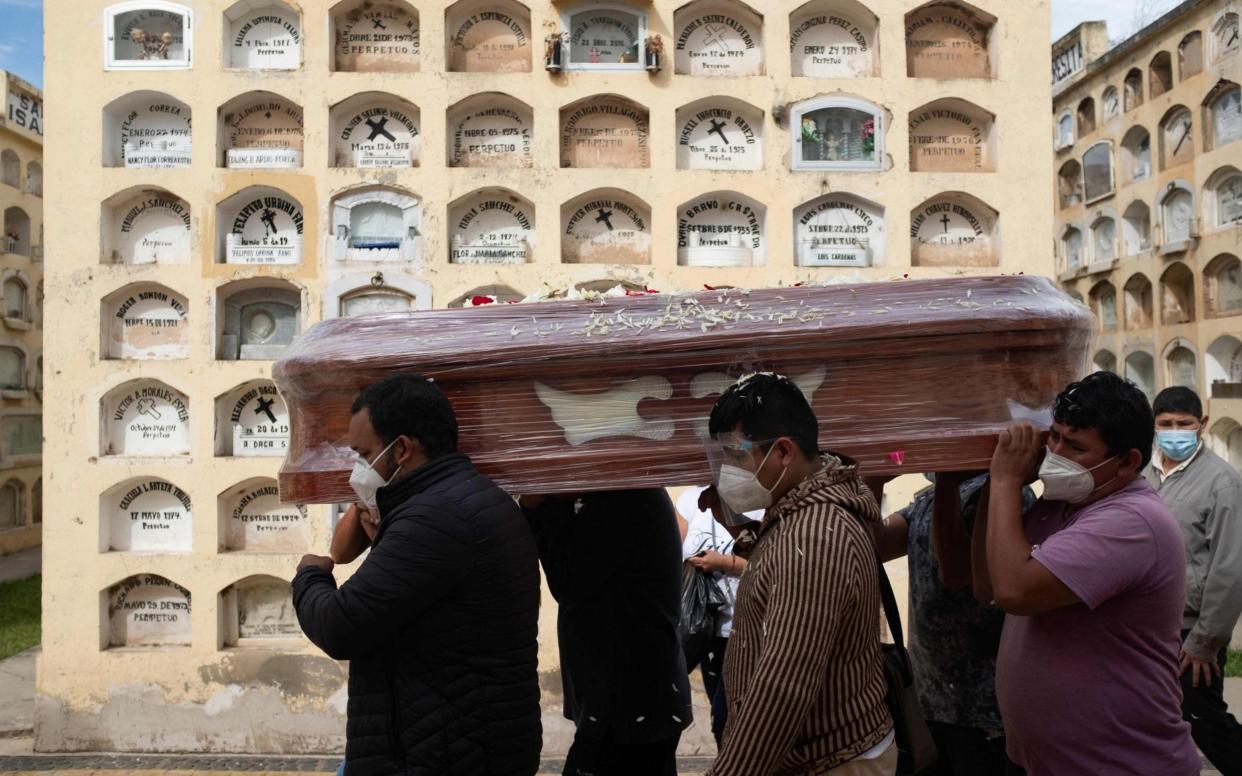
<point>378,128</point>
<point>717,128</point>
<point>269,221</point>
<point>265,408</point>
<point>377,23</point>
<point>946,221</point>
<point>605,217</point>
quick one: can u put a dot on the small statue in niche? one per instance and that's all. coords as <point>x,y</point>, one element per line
<point>655,52</point>
<point>151,48</point>
<point>552,48</point>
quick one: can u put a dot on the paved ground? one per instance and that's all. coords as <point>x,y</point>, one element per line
<point>20,565</point>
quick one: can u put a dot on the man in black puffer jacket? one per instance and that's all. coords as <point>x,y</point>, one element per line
<point>440,621</point>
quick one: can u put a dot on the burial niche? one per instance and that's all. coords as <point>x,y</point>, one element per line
<point>490,130</point>
<point>146,226</point>
<point>834,39</point>
<point>261,130</point>
<point>1224,366</point>
<point>719,133</point>
<point>488,36</point>
<point>148,35</point>
<point>721,229</point>
<point>954,230</point>
<point>145,418</point>
<point>258,609</point>
<point>952,135</point>
<point>605,37</point>
<point>256,319</point>
<point>145,321</point>
<point>146,610</point>
<point>145,514</point>
<point>375,294</point>
<point>377,224</point>
<point>837,133</point>
<point>605,130</point>
<point>375,131</point>
<point>262,35</point>
<point>252,421</point>
<point>1141,370</point>
<point>1177,142</point>
<point>485,295</point>
<point>949,40</point>
<point>146,130</point>
<point>491,226</point>
<point>375,36</point>
<point>259,225</point>
<point>718,37</point>
<point>606,226</point>
<point>839,230</point>
<point>252,519</point>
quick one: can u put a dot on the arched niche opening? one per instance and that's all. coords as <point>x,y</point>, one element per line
<point>1069,184</point>
<point>375,36</point>
<point>1104,237</point>
<point>838,133</point>
<point>487,295</point>
<point>1224,198</point>
<point>491,226</point>
<point>490,130</point>
<point>1110,104</point>
<point>34,179</point>
<point>1223,114</point>
<point>834,39</point>
<point>259,225</point>
<point>1190,55</point>
<point>260,130</point>
<point>148,35</point>
<point>1180,364</point>
<point>1177,138</point>
<point>1103,298</point>
<point>16,231</point>
<point>1086,117</point>
<point>144,418</point>
<point>1132,89</point>
<point>488,36</point>
<point>1137,308</point>
<point>947,40</point>
<point>839,230</point>
<point>10,168</point>
<point>604,130</point>
<point>1141,370</point>
<point>14,381</point>
<point>1104,361</point>
<point>145,610</point>
<point>1136,152</point>
<point>12,514</point>
<point>252,421</point>
<point>717,38</point>
<point>1071,248</point>
<point>262,35</point>
<point>952,135</point>
<point>1224,367</point>
<point>1177,295</point>
<point>1225,39</point>
<point>376,224</point>
<point>257,610</point>
<point>1226,439</point>
<point>719,133</point>
<point>605,36</point>
<point>252,519</point>
<point>146,130</point>
<point>256,319</point>
<point>22,436</point>
<point>15,290</point>
<point>145,514</point>
<point>376,293</point>
<point>374,130</point>
<point>1223,285</point>
<point>721,229</point>
<point>606,226</point>
<point>954,229</point>
<point>141,226</point>
<point>145,321</point>
<point>1160,74</point>
<point>1178,223</point>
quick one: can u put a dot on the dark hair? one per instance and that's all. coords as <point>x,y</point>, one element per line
<point>413,406</point>
<point>767,406</point>
<point>1179,398</point>
<point>1114,407</point>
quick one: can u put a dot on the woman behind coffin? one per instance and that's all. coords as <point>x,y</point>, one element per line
<point>439,622</point>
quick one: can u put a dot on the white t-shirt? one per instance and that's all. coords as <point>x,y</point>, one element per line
<point>704,533</point>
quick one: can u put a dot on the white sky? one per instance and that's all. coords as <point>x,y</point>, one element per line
<point>1120,14</point>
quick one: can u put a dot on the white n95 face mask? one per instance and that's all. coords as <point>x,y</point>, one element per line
<point>366,481</point>
<point>741,490</point>
<point>1065,480</point>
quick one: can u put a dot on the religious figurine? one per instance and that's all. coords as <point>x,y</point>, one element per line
<point>655,50</point>
<point>553,45</point>
<point>149,47</point>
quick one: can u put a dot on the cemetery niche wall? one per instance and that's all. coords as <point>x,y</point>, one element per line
<point>719,133</point>
<point>604,131</point>
<point>949,40</point>
<point>257,609</point>
<point>144,418</point>
<point>262,35</point>
<point>144,226</point>
<point>145,321</point>
<point>251,422</point>
<point>147,35</point>
<point>146,130</point>
<point>839,230</point>
<point>488,36</point>
<point>490,130</point>
<point>606,226</point>
<point>954,230</point>
<point>145,610</point>
<point>491,226</point>
<point>375,224</point>
<point>145,514</point>
<point>952,135</point>
<point>259,225</point>
<point>834,39</point>
<point>721,229</point>
<point>718,38</point>
<point>374,130</point>
<point>376,36</point>
<point>260,130</point>
<point>256,319</point>
<point>252,519</point>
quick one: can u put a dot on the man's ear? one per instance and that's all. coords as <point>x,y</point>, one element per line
<point>1132,461</point>
<point>1203,424</point>
<point>408,449</point>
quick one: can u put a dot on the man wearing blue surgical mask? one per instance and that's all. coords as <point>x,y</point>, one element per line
<point>1204,493</point>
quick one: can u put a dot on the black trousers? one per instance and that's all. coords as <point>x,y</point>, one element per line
<point>711,666</point>
<point>1214,729</point>
<point>965,751</point>
<point>590,756</point>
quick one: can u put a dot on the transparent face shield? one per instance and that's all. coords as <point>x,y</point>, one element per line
<point>732,453</point>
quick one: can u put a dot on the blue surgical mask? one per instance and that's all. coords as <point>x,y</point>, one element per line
<point>1178,445</point>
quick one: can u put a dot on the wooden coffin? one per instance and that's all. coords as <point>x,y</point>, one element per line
<point>905,376</point>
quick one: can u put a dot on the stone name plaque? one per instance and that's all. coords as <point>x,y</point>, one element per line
<point>265,610</point>
<point>720,39</point>
<point>492,229</point>
<point>152,228</point>
<point>378,37</point>
<point>495,133</point>
<point>947,233</point>
<point>260,423</point>
<point>604,133</point>
<point>719,137</point>
<point>265,230</point>
<point>837,232</point>
<point>264,134</point>
<point>149,516</point>
<point>257,521</point>
<point>156,134</point>
<point>949,139</point>
<point>607,230</point>
<point>825,45</point>
<point>946,42</point>
<point>268,38</point>
<point>719,230</point>
<point>149,419</point>
<point>494,38</point>
<point>148,611</point>
<point>148,322</point>
<point>379,136</point>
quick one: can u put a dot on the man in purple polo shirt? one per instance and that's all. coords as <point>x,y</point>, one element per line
<point>1092,580</point>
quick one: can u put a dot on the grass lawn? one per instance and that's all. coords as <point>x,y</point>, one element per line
<point>1234,666</point>
<point>19,615</point>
